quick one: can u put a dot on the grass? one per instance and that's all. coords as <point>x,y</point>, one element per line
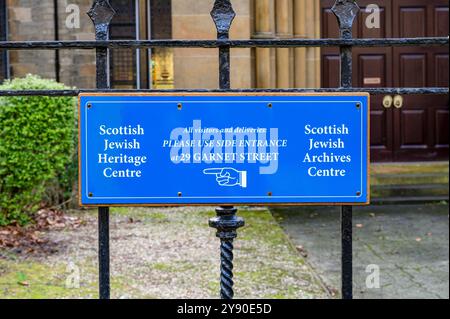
<point>266,264</point>
<point>32,280</point>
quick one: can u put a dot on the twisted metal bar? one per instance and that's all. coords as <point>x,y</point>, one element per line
<point>226,224</point>
<point>226,221</point>
<point>226,269</point>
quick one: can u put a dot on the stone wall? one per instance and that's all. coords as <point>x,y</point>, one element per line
<point>31,20</point>
<point>77,66</point>
<point>199,68</point>
<point>284,67</point>
<point>258,19</point>
<point>193,67</point>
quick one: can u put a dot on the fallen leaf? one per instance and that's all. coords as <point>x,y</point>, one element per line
<point>302,251</point>
<point>359,225</point>
<point>31,239</point>
<point>418,239</point>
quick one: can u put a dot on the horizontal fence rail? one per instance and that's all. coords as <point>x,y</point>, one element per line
<point>400,91</point>
<point>263,43</point>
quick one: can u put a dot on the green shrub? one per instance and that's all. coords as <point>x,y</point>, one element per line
<point>37,143</point>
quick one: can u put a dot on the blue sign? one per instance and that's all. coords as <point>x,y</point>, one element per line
<point>213,149</point>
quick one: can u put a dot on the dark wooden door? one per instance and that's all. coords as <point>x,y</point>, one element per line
<point>421,125</point>
<point>415,131</point>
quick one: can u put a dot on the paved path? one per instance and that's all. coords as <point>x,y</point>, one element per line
<point>410,244</point>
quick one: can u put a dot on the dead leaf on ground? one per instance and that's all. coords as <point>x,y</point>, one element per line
<point>24,283</point>
<point>31,239</point>
<point>302,251</point>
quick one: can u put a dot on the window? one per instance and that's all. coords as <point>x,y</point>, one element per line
<point>141,19</point>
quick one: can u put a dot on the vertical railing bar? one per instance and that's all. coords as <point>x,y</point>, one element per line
<point>347,252</point>
<point>224,67</point>
<point>346,12</point>
<point>103,253</point>
<point>226,221</point>
<point>101,14</point>
<point>346,211</point>
<point>102,66</point>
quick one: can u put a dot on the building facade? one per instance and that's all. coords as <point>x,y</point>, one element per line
<point>415,131</point>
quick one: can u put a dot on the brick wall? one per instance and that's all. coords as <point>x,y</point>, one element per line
<point>199,68</point>
<point>77,66</point>
<point>31,20</point>
<point>34,20</point>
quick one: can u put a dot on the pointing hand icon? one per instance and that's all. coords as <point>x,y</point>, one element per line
<point>228,177</point>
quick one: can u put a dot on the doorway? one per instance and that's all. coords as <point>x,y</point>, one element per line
<point>417,128</point>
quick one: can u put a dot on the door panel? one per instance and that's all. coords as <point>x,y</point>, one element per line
<point>412,21</point>
<point>419,129</point>
<point>441,69</point>
<point>330,70</point>
<point>414,123</point>
<point>420,123</point>
<point>440,21</point>
<point>330,56</point>
<point>412,69</point>
<point>372,67</point>
<point>442,140</point>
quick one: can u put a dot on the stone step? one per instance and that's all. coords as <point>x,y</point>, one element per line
<point>410,179</point>
<point>409,183</point>
<point>409,168</point>
<point>411,190</point>
<point>409,200</point>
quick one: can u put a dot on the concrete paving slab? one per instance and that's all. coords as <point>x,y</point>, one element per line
<point>408,243</point>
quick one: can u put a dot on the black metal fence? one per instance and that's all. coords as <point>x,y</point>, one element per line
<point>223,14</point>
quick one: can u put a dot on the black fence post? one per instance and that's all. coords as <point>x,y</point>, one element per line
<point>346,12</point>
<point>226,221</point>
<point>101,15</point>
